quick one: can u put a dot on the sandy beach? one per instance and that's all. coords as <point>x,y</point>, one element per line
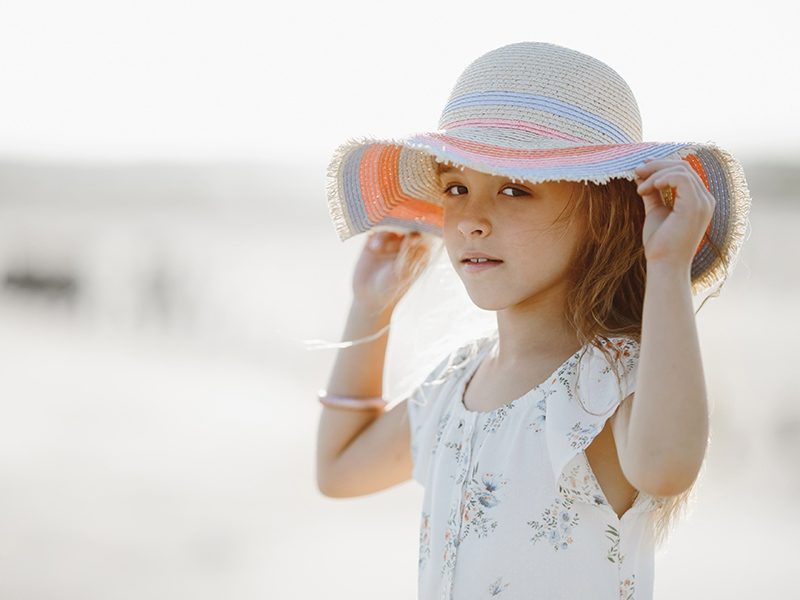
<point>150,461</point>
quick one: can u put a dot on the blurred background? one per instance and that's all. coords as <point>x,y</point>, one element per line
<point>165,252</point>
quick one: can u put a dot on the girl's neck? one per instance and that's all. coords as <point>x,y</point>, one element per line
<point>533,333</point>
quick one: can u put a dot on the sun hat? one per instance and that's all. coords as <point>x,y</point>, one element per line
<point>531,111</point>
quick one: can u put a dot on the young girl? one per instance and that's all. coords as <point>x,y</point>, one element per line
<point>555,450</point>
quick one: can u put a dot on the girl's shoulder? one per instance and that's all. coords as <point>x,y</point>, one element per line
<point>450,367</point>
<point>610,371</point>
<point>473,347</point>
<point>623,349</point>
<point>619,341</point>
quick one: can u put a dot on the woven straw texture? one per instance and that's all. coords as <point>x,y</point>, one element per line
<point>536,112</point>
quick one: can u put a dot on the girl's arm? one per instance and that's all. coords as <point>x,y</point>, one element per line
<point>377,456</point>
<point>357,372</point>
<point>662,434</point>
<point>667,429</point>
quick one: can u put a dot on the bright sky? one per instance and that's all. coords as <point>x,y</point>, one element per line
<point>103,79</point>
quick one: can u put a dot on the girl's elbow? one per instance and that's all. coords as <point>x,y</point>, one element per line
<point>670,480</point>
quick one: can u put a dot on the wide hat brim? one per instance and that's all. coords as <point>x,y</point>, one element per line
<point>392,184</point>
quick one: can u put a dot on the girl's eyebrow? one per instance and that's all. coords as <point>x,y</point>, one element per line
<point>445,168</point>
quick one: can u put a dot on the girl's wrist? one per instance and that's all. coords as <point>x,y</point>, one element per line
<point>364,311</point>
<point>667,268</point>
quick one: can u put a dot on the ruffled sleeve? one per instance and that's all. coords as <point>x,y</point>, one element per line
<point>582,399</point>
<point>427,407</point>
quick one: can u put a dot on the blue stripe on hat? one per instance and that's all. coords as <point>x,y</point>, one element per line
<point>546,103</point>
<point>354,201</point>
<point>718,187</point>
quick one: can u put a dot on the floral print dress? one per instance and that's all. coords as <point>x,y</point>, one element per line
<point>511,507</point>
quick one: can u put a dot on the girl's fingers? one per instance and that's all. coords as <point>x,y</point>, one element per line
<point>651,166</point>
<point>414,249</point>
<point>656,180</point>
<point>688,181</point>
<point>691,199</point>
<point>384,242</point>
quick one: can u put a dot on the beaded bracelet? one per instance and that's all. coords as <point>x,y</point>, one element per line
<point>348,403</point>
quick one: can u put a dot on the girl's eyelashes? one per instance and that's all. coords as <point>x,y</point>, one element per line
<point>450,187</point>
<point>519,194</point>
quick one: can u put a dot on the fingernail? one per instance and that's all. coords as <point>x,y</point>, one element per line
<point>375,242</point>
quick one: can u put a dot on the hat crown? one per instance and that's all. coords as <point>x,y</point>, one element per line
<point>544,95</point>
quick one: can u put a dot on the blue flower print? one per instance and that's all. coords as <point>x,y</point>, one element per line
<point>480,494</point>
<point>424,539</point>
<point>556,524</point>
<point>579,437</point>
<point>495,418</point>
<point>538,422</point>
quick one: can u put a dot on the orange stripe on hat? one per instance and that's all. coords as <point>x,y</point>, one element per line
<point>406,207</point>
<point>369,177</point>
<point>380,188</point>
<point>389,170</point>
<point>695,163</point>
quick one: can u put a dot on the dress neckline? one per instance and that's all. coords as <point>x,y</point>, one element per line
<point>473,368</point>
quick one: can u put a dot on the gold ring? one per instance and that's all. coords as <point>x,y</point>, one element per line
<point>667,197</point>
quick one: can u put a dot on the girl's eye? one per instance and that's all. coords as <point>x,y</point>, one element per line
<point>450,187</point>
<point>520,192</point>
<point>517,195</point>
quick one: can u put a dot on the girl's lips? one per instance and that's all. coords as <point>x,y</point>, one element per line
<point>471,267</point>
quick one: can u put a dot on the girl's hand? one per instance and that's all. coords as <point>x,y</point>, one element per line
<point>389,263</point>
<point>673,234</point>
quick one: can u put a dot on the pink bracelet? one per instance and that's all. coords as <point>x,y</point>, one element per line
<point>335,401</point>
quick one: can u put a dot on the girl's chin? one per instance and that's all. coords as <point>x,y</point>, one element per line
<point>485,302</point>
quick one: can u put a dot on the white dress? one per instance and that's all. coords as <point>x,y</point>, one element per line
<point>511,507</point>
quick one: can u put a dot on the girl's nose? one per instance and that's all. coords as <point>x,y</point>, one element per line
<point>473,225</point>
<point>471,213</point>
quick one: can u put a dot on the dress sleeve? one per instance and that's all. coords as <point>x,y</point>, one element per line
<point>427,410</point>
<point>585,396</point>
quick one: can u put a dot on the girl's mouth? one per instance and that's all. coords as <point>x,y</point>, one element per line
<point>481,265</point>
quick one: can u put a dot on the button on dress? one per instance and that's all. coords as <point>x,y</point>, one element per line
<point>511,507</point>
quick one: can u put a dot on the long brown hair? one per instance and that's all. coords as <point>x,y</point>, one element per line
<point>607,285</point>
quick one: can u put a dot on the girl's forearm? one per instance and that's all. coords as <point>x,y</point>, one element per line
<point>357,372</point>
<point>358,369</point>
<point>668,428</point>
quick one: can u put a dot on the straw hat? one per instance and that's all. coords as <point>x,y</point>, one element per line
<point>529,111</point>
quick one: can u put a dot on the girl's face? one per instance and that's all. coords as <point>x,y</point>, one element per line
<point>514,223</point>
